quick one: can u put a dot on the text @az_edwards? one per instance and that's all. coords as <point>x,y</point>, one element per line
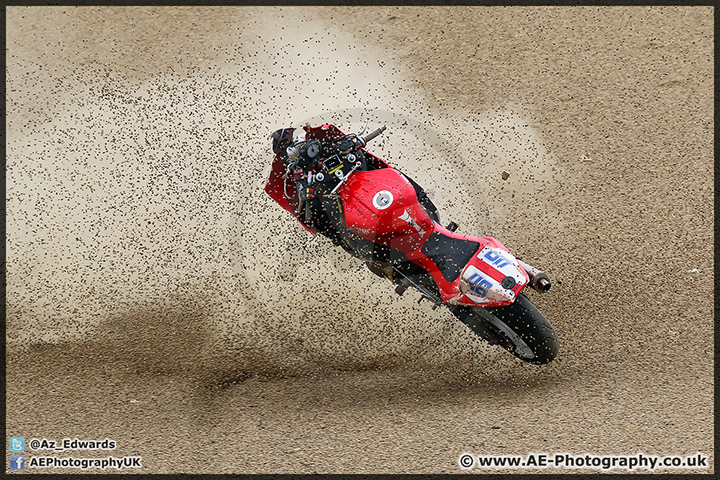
<point>71,444</point>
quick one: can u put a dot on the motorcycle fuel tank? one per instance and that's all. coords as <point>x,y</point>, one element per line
<point>381,206</point>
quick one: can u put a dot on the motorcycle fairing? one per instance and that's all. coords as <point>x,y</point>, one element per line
<point>408,228</point>
<point>481,280</point>
<point>496,260</point>
<point>381,206</point>
<point>276,185</point>
<point>494,276</point>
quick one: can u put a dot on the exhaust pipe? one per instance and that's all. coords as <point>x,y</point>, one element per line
<point>538,280</point>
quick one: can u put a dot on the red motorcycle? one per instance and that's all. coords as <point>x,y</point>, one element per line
<point>333,186</point>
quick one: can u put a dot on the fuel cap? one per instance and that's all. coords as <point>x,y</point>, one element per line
<point>383,199</point>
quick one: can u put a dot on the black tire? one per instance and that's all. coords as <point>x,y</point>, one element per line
<point>519,328</point>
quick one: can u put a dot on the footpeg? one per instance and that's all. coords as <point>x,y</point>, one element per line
<point>402,286</point>
<point>452,226</point>
<point>435,303</point>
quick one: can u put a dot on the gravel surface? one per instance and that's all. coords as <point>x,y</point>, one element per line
<point>157,297</point>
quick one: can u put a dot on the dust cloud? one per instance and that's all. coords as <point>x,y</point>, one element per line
<point>136,220</point>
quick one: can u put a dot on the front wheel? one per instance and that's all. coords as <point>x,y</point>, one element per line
<point>519,328</point>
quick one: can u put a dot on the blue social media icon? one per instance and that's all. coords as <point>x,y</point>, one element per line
<point>17,444</point>
<point>17,462</point>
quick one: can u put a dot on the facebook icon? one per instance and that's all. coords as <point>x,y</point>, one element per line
<point>17,462</point>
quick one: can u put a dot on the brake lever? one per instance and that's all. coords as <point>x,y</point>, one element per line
<point>364,128</point>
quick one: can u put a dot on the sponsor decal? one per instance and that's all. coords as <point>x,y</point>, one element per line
<point>503,262</point>
<point>406,216</point>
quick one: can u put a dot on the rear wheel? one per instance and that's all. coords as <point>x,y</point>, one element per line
<point>519,328</point>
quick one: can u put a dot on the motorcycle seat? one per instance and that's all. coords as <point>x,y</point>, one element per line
<point>450,254</point>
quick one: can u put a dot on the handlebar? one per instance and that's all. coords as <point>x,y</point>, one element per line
<point>374,134</point>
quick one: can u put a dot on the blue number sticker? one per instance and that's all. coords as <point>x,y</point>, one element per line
<point>479,285</point>
<point>495,258</point>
